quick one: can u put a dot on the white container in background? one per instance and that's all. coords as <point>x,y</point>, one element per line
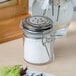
<point>38,39</point>
<point>60,11</point>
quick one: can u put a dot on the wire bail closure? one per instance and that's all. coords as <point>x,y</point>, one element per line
<point>45,41</point>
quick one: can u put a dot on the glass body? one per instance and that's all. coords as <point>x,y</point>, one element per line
<point>60,13</point>
<point>38,39</point>
<point>36,52</point>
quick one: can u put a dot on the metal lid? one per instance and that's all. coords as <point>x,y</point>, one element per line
<point>37,23</point>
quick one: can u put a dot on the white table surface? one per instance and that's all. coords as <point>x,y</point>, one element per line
<point>11,53</point>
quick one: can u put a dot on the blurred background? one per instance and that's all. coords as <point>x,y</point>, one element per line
<point>74,4</point>
<point>74,15</point>
<point>11,13</point>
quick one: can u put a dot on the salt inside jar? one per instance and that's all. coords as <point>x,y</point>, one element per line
<point>38,39</point>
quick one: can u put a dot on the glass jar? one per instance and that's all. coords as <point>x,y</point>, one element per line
<point>60,11</point>
<point>38,39</point>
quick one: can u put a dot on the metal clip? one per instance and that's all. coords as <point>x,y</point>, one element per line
<point>46,40</point>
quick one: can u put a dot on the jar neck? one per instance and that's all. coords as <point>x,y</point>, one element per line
<point>36,35</point>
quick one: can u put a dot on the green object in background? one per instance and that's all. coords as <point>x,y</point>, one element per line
<point>10,71</point>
